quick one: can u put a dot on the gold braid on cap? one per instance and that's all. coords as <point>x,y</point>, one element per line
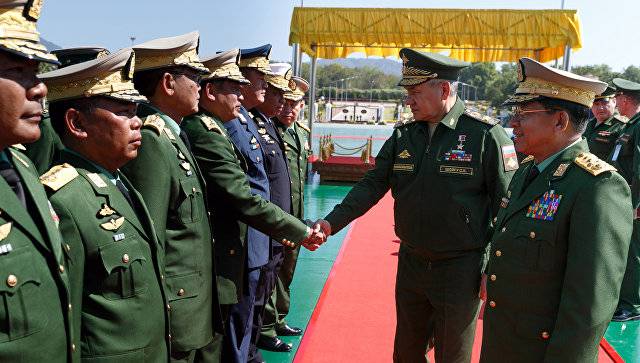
<point>105,84</point>
<point>540,87</point>
<point>188,58</point>
<point>412,76</point>
<point>227,71</point>
<point>19,34</point>
<point>259,63</point>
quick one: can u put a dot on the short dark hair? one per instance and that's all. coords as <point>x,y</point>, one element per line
<point>578,114</point>
<point>634,96</point>
<point>57,110</point>
<point>147,81</point>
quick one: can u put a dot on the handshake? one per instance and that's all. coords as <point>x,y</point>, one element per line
<point>317,234</point>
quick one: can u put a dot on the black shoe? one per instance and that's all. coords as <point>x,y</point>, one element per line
<point>288,331</point>
<point>625,315</point>
<point>273,345</point>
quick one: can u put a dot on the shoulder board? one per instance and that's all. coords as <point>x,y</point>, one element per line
<point>19,147</point>
<point>403,122</point>
<point>592,163</point>
<point>303,126</point>
<point>59,176</point>
<point>621,118</point>
<point>527,159</point>
<point>155,122</point>
<point>482,118</point>
<point>211,124</point>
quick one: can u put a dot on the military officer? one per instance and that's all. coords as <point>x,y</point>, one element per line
<point>35,310</point>
<point>280,191</point>
<point>167,72</point>
<point>43,151</point>
<point>232,203</point>
<point>115,261</point>
<point>296,143</point>
<point>605,126</point>
<point>558,248</point>
<point>626,158</point>
<point>447,172</point>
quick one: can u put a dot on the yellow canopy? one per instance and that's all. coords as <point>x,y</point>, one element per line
<point>473,35</point>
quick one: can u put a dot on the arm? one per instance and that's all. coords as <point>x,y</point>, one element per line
<point>598,244</point>
<point>366,193</point>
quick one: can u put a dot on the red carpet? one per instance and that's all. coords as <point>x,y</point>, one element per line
<point>354,320</point>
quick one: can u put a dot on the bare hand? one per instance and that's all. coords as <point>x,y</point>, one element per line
<point>324,226</point>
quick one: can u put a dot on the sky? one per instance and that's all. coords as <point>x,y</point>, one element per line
<point>609,30</point>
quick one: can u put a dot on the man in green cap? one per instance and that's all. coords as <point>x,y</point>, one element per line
<point>447,172</point>
<point>35,310</point>
<point>46,148</point>
<point>296,145</point>
<point>558,248</point>
<point>116,262</point>
<point>605,126</point>
<point>167,72</point>
<point>626,158</point>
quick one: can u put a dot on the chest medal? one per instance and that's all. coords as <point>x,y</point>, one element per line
<point>545,207</point>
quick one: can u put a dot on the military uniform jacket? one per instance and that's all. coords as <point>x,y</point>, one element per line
<point>297,149</point>
<point>166,175</point>
<point>244,135</point>
<point>446,191</point>
<point>602,137</point>
<point>558,255</point>
<point>626,157</point>
<point>275,163</point>
<point>35,320</point>
<point>114,264</point>
<point>44,151</point>
<point>233,205</point>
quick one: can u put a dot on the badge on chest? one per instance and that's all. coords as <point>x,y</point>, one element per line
<point>545,207</point>
<point>458,153</point>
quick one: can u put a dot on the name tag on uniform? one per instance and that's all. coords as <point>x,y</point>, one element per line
<point>616,152</point>
<point>457,170</point>
<point>403,167</point>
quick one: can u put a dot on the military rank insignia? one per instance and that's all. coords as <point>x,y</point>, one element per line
<point>5,229</point>
<point>404,154</point>
<point>545,207</point>
<point>105,210</point>
<point>113,224</point>
<point>458,154</point>
<point>509,158</point>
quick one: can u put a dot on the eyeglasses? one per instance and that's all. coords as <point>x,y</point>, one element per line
<point>190,75</point>
<point>517,113</point>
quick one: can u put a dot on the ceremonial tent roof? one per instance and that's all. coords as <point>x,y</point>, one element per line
<point>473,35</point>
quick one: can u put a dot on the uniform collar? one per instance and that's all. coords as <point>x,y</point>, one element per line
<point>167,120</point>
<point>546,162</point>
<point>450,120</point>
<point>111,176</point>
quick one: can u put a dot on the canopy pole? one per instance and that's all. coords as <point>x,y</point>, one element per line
<point>294,59</point>
<point>312,92</point>
<point>567,57</point>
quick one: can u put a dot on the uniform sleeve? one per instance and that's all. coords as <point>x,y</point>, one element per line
<point>367,192</point>
<point>635,178</point>
<point>148,174</point>
<point>227,182</point>
<point>598,244</point>
<point>496,178</point>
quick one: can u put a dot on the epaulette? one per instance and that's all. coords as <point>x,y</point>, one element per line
<point>482,118</point>
<point>155,122</point>
<point>211,124</point>
<point>621,118</point>
<point>592,163</point>
<point>527,159</point>
<point>59,176</point>
<point>403,122</point>
<point>19,147</point>
<point>303,126</point>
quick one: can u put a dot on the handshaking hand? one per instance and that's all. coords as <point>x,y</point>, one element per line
<point>315,238</point>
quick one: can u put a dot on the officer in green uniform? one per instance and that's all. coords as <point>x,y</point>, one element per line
<point>165,173</point>
<point>45,149</point>
<point>447,172</point>
<point>231,202</point>
<point>626,158</point>
<point>296,143</point>
<point>35,310</point>
<point>115,267</point>
<point>605,126</point>
<point>559,245</point>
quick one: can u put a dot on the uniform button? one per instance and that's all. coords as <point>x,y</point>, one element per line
<point>61,268</point>
<point>70,307</point>
<point>493,277</point>
<point>168,307</point>
<point>12,280</point>
<point>495,219</point>
<point>125,258</point>
<point>67,247</point>
<point>532,234</point>
<point>181,292</point>
<point>232,252</point>
<point>169,337</point>
<point>498,253</point>
<point>161,277</point>
<point>504,229</point>
<point>492,304</point>
<point>545,335</point>
<point>194,189</point>
<point>73,347</point>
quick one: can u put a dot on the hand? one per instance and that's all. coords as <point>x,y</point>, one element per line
<point>482,294</point>
<point>315,238</point>
<point>324,226</point>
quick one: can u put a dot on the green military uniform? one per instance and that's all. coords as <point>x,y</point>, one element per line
<point>558,248</point>
<point>601,137</point>
<point>115,263</point>
<point>626,158</point>
<point>446,190</point>
<point>45,150</point>
<point>35,314</point>
<point>233,205</point>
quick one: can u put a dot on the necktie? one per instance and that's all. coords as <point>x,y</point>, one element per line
<point>533,173</point>
<point>125,193</point>
<point>295,136</point>
<point>13,179</point>
<point>185,139</point>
